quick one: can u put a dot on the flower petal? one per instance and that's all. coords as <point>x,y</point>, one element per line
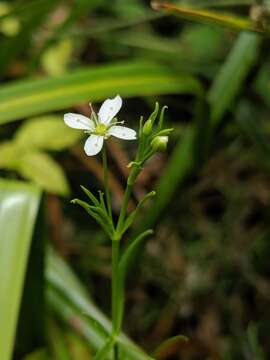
<point>109,109</point>
<point>122,132</point>
<point>77,121</point>
<point>93,145</point>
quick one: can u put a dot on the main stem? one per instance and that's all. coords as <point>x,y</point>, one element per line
<point>117,310</point>
<point>115,278</point>
<point>106,180</point>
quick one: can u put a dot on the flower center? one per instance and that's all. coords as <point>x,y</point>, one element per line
<point>101,129</point>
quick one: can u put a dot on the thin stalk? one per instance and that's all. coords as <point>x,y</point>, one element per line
<point>106,180</point>
<point>130,183</point>
<point>115,285</point>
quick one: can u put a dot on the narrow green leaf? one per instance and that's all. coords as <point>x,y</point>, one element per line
<point>32,97</point>
<point>46,132</point>
<point>169,347</point>
<point>130,219</point>
<point>130,254</point>
<point>126,262</point>
<point>18,210</point>
<point>90,195</point>
<point>44,171</point>
<point>211,17</point>
<point>105,351</point>
<point>97,214</point>
<point>232,74</point>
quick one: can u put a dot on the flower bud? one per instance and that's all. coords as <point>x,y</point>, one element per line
<point>147,127</point>
<point>159,143</point>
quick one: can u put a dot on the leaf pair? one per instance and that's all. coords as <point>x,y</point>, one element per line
<point>97,211</point>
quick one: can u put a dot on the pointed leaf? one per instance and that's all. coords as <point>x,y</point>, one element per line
<point>125,264</point>
<point>130,219</point>
<point>94,212</point>
<point>169,347</point>
<point>130,253</point>
<point>90,195</point>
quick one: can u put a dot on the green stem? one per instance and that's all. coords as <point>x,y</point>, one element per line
<point>115,280</point>
<point>106,180</point>
<point>130,183</point>
<point>117,290</point>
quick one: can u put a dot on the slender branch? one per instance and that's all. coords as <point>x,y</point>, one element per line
<point>130,183</point>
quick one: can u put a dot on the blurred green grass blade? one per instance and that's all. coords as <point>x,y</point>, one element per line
<point>262,83</point>
<point>68,298</point>
<point>32,97</point>
<point>232,74</point>
<point>211,17</point>
<point>18,210</point>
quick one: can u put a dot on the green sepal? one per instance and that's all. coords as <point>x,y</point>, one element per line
<point>161,117</point>
<point>154,114</point>
<point>164,132</point>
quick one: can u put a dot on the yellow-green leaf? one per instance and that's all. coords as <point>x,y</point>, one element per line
<point>47,132</point>
<point>44,171</point>
<point>56,58</point>
<point>9,155</point>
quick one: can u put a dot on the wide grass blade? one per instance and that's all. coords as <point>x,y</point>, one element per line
<point>24,98</point>
<point>18,210</point>
<point>232,74</point>
<point>67,296</point>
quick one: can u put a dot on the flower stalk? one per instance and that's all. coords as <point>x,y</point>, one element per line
<point>152,138</point>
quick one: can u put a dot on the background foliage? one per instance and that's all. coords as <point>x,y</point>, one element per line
<point>205,272</point>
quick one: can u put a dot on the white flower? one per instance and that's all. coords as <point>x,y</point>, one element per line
<point>100,126</point>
